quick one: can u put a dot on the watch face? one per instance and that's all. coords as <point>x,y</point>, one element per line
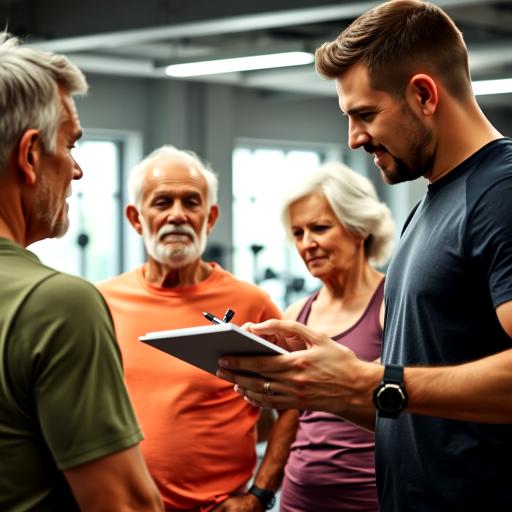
<point>268,499</point>
<point>391,397</point>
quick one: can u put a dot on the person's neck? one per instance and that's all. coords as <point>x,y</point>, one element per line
<point>165,276</point>
<point>463,130</point>
<point>352,284</point>
<point>6,232</point>
<point>13,222</point>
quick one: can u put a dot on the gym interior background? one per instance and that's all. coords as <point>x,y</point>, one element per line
<point>258,129</point>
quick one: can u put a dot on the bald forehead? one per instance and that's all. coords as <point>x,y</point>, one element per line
<point>172,174</point>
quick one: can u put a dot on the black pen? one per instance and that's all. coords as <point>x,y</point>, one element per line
<point>212,318</point>
<point>228,315</point>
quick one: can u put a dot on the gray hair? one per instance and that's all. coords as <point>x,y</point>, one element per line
<point>29,93</point>
<point>171,153</point>
<point>354,201</point>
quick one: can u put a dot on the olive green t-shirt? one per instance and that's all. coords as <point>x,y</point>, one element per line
<point>63,401</point>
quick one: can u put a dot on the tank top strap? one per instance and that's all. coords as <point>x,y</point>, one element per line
<point>378,297</point>
<point>371,316</point>
<point>302,317</point>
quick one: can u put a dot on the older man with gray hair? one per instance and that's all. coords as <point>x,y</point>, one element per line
<point>68,434</point>
<point>200,435</point>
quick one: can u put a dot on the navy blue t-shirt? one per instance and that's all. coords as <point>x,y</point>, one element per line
<point>452,268</point>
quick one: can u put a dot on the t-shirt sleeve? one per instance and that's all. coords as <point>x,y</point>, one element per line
<point>69,369</point>
<point>489,238</point>
<point>268,310</point>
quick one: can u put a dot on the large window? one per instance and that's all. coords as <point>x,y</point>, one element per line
<point>91,247</point>
<point>261,176</point>
<point>98,243</point>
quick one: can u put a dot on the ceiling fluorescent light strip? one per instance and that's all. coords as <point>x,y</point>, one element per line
<point>482,87</point>
<point>212,67</point>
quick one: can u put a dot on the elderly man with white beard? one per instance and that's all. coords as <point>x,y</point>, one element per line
<point>200,435</point>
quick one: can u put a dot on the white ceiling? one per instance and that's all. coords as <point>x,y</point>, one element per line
<point>138,38</point>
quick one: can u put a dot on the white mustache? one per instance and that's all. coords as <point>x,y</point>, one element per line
<point>170,229</point>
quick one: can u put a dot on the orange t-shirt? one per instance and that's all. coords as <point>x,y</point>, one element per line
<point>200,435</point>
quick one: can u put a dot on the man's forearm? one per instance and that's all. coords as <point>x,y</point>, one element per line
<point>329,377</point>
<point>479,391</point>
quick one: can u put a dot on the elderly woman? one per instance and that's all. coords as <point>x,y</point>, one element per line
<point>341,231</point>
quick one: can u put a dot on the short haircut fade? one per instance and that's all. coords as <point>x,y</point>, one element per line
<point>396,40</point>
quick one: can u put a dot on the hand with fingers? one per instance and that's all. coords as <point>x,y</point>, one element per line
<point>326,376</point>
<point>281,332</point>
<point>244,503</point>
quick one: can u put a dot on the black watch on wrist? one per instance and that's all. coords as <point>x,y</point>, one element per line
<point>266,497</point>
<point>390,397</point>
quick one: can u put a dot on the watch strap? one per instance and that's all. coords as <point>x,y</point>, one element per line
<point>393,373</point>
<point>266,497</point>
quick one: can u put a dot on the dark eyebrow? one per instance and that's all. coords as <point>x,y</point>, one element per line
<point>358,110</point>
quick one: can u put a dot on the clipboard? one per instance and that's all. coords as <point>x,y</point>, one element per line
<point>203,345</point>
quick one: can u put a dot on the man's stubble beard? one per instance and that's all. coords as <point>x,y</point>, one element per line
<point>421,160</point>
<point>56,222</point>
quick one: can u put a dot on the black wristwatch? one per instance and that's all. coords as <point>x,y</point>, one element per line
<point>266,497</point>
<point>390,397</point>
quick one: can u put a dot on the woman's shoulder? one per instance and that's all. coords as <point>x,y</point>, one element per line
<point>292,311</point>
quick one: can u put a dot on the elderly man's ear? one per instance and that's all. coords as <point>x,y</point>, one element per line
<point>132,214</point>
<point>29,155</point>
<point>213,215</point>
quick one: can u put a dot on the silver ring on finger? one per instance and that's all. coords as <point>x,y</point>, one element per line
<point>267,389</point>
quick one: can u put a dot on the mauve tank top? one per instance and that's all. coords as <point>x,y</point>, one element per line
<point>328,450</point>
